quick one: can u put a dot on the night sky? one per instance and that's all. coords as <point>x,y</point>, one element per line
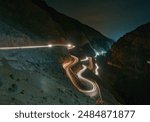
<point>113,18</point>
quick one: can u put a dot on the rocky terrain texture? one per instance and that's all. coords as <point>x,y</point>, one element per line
<point>44,24</point>
<point>36,76</point>
<point>133,50</point>
<point>127,66</point>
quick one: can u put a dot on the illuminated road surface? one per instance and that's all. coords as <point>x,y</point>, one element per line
<point>96,69</point>
<point>94,92</point>
<point>68,46</point>
<point>67,66</point>
<point>91,67</point>
<point>95,89</point>
<point>86,59</point>
<point>22,47</point>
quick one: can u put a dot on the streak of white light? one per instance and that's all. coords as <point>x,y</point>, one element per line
<point>100,53</point>
<point>85,59</point>
<point>96,70</point>
<point>50,45</point>
<point>21,47</point>
<point>69,46</point>
<point>96,54</point>
<point>91,92</point>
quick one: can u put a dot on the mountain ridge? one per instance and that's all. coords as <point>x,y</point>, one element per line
<point>127,67</point>
<point>57,27</point>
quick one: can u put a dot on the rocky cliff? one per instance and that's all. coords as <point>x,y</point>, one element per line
<point>128,62</point>
<point>36,76</point>
<point>133,49</point>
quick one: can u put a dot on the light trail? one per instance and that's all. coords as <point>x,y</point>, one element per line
<point>68,68</point>
<point>94,92</point>
<point>91,67</point>
<point>68,46</point>
<point>22,47</point>
<point>85,59</point>
<point>50,45</point>
<point>96,69</point>
<point>102,53</point>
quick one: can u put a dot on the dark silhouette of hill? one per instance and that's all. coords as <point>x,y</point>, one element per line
<point>127,66</point>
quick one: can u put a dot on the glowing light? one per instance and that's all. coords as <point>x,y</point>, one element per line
<point>22,47</point>
<point>94,89</point>
<point>50,45</point>
<point>96,70</point>
<point>85,59</point>
<point>69,45</point>
<point>103,52</point>
<point>96,54</point>
<point>148,62</point>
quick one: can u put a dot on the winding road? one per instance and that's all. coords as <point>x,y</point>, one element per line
<point>94,91</point>
<point>91,66</point>
<point>96,69</point>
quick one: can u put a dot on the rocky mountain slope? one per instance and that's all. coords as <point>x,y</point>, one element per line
<point>36,76</point>
<point>45,24</point>
<point>128,66</point>
<point>133,50</point>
